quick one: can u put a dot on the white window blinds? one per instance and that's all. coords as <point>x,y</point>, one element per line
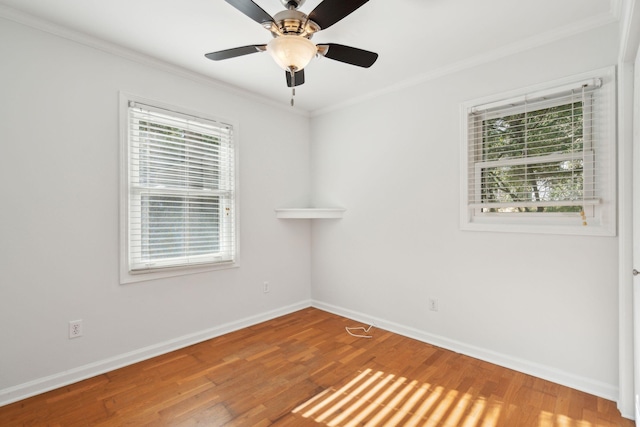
<point>181,189</point>
<point>535,153</point>
<point>543,159</point>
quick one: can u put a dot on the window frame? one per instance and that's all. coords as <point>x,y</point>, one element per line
<point>600,216</point>
<point>129,274</point>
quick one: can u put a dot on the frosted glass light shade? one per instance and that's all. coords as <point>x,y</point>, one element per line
<point>292,52</point>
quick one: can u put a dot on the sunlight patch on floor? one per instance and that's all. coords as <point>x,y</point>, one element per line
<point>376,399</point>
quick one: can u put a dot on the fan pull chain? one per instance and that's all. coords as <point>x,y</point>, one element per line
<point>293,85</point>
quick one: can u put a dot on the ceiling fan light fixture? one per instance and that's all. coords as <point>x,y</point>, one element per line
<point>292,52</point>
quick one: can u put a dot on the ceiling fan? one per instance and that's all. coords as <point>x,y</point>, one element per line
<point>291,47</point>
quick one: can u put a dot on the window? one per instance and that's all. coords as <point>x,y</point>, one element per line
<point>180,190</point>
<point>542,161</point>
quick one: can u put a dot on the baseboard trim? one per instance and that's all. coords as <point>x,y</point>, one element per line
<point>51,382</point>
<point>61,379</point>
<point>597,388</point>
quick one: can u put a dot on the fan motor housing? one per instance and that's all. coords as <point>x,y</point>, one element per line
<point>294,22</point>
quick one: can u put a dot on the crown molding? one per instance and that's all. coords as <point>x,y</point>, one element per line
<point>614,15</point>
<point>496,54</point>
<point>61,31</point>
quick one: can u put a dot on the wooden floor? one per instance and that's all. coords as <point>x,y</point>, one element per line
<point>303,369</point>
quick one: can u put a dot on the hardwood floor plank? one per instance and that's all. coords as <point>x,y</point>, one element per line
<point>304,369</point>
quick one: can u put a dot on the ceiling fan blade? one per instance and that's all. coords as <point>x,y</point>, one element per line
<point>299,78</point>
<point>329,12</point>
<point>236,51</point>
<point>252,10</point>
<point>347,54</point>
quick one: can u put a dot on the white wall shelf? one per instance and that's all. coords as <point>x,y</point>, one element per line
<point>310,213</point>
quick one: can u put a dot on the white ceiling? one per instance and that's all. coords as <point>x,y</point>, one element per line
<point>415,39</point>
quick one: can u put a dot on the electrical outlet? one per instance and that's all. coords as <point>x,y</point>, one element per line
<point>265,287</point>
<point>75,329</point>
<point>433,304</point>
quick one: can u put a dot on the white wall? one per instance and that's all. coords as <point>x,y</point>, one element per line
<point>59,177</point>
<point>393,163</point>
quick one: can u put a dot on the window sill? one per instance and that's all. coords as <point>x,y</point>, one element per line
<point>592,229</point>
<point>163,273</point>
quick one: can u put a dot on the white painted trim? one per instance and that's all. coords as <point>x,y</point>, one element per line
<point>496,54</point>
<point>597,388</point>
<point>635,230</point>
<point>629,14</point>
<point>139,57</point>
<point>629,34</point>
<point>131,277</point>
<point>625,243</point>
<point>603,223</point>
<point>61,379</point>
<point>504,51</point>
